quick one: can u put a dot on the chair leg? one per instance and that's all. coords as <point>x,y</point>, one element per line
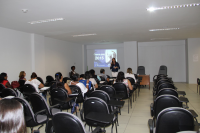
<point>116,127</point>
<point>112,127</point>
<point>128,106</point>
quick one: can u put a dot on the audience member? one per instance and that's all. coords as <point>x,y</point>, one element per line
<point>114,66</point>
<point>12,117</point>
<point>4,81</point>
<point>22,75</point>
<point>59,83</point>
<point>75,81</point>
<point>82,77</point>
<point>35,82</point>
<point>92,72</point>
<point>130,74</point>
<point>86,81</point>
<point>102,74</point>
<point>73,71</point>
<point>121,78</point>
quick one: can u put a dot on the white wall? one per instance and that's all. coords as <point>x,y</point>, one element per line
<point>61,55</point>
<point>15,53</point>
<point>90,57</point>
<point>193,64</point>
<point>170,53</point>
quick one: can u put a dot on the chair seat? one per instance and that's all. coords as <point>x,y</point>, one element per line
<point>54,111</point>
<point>41,118</point>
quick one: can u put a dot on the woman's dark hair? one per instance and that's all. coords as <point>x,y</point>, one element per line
<point>87,75</point>
<point>75,77</point>
<point>58,76</point>
<point>1,78</point>
<point>112,60</point>
<point>21,74</point>
<point>12,117</point>
<point>33,75</point>
<point>102,70</point>
<point>92,72</point>
<point>72,67</point>
<point>120,77</point>
<point>3,75</point>
<point>82,76</point>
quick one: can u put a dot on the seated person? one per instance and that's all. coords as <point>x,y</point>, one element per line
<point>72,72</point>
<point>92,72</point>
<point>75,81</point>
<point>35,82</point>
<point>86,81</point>
<point>4,81</point>
<point>12,117</point>
<point>82,77</point>
<point>22,75</point>
<point>102,74</point>
<point>130,74</point>
<point>121,78</point>
<point>59,83</point>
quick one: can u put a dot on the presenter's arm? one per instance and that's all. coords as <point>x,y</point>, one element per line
<point>111,66</point>
<point>118,65</point>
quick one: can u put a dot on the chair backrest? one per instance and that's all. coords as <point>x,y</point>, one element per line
<point>163,70</point>
<point>121,88</point>
<point>49,78</point>
<point>21,82</point>
<point>66,122</point>
<point>167,91</point>
<point>28,89</point>
<point>28,113</point>
<point>141,70</point>
<point>8,92</point>
<point>100,94</point>
<point>109,90</point>
<point>175,119</point>
<point>131,80</point>
<point>40,79</point>
<point>165,85</point>
<point>39,103</point>
<point>77,89</point>
<point>166,80</point>
<point>102,78</point>
<point>2,87</point>
<point>94,104</point>
<point>165,101</point>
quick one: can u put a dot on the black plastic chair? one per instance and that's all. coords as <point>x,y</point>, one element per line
<point>40,79</point>
<point>49,79</point>
<point>172,120</point>
<point>38,103</point>
<point>32,120</point>
<point>65,122</point>
<point>76,89</point>
<point>59,96</point>
<point>134,88</point>
<point>8,92</point>
<point>102,78</point>
<point>141,70</point>
<point>2,87</point>
<point>198,83</point>
<point>121,89</point>
<point>95,113</point>
<point>163,70</point>
<point>28,89</point>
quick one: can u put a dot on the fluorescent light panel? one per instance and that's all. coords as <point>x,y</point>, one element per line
<point>172,7</point>
<point>164,29</point>
<point>85,35</point>
<point>46,20</point>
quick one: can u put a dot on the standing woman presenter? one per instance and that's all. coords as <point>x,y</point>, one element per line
<point>114,66</point>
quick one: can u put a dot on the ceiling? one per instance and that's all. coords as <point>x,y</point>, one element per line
<point>114,21</point>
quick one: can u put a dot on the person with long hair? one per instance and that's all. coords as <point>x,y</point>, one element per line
<point>22,75</point>
<point>35,82</point>
<point>114,66</point>
<point>130,74</point>
<point>12,117</point>
<point>59,83</point>
<point>86,81</point>
<point>4,81</point>
<point>121,78</point>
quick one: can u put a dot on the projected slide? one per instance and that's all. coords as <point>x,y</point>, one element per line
<point>103,57</point>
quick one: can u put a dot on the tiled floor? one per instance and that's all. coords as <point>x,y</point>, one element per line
<point>137,119</point>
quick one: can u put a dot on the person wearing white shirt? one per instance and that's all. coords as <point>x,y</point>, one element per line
<point>130,74</point>
<point>33,81</point>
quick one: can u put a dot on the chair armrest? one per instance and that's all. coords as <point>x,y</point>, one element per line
<point>56,105</point>
<point>183,99</point>
<point>151,107</point>
<point>63,101</point>
<point>39,112</point>
<point>73,95</point>
<point>194,114</point>
<point>151,125</point>
<point>97,130</point>
<point>81,114</point>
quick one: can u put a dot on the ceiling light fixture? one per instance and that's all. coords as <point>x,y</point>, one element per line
<point>46,20</point>
<point>172,7</point>
<point>85,35</point>
<point>164,29</point>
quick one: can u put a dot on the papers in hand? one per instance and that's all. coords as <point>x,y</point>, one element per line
<point>44,88</point>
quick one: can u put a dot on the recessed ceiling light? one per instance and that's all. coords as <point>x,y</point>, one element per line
<point>85,35</point>
<point>46,20</point>
<point>160,38</point>
<point>172,7</point>
<point>164,29</point>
